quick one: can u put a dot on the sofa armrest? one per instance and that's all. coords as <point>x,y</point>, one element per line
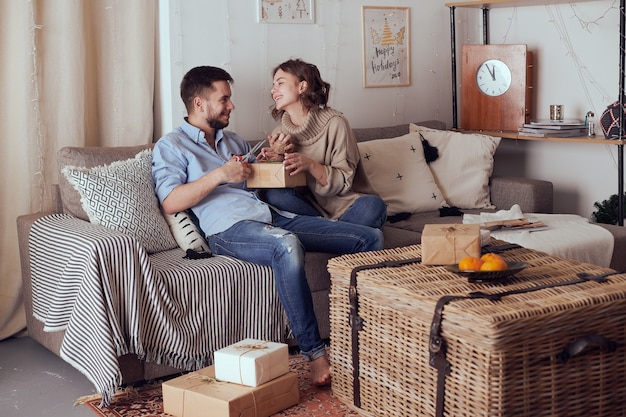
<point>533,196</point>
<point>24,224</point>
<point>50,340</point>
<point>35,328</point>
<point>55,193</point>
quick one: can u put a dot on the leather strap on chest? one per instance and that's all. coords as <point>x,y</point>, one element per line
<point>437,344</point>
<point>356,322</point>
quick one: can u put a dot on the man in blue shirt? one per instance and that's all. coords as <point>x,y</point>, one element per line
<point>194,168</point>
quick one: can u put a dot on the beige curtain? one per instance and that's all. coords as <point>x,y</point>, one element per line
<point>72,72</point>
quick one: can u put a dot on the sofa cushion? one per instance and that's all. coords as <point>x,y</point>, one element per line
<point>121,196</point>
<point>186,232</point>
<point>464,166</point>
<point>87,157</point>
<point>398,171</point>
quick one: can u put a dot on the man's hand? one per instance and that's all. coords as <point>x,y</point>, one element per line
<point>235,171</point>
<point>188,195</point>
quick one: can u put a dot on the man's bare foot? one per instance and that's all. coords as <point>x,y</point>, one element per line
<point>320,371</point>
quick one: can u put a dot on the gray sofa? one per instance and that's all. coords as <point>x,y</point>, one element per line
<point>531,195</point>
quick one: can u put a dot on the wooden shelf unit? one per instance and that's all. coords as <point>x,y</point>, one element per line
<point>574,139</point>
<point>485,6</point>
<point>507,3</point>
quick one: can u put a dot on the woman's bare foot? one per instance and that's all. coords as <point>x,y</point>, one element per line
<point>320,371</point>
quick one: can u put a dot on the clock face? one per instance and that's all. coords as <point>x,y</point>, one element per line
<point>493,77</point>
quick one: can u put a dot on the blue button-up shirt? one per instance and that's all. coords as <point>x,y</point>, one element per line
<point>184,155</point>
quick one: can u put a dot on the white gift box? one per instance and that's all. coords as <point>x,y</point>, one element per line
<point>251,362</point>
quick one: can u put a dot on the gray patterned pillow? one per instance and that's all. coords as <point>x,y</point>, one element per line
<point>121,196</point>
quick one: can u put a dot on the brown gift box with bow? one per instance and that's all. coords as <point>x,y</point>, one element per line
<point>447,244</point>
<point>199,394</point>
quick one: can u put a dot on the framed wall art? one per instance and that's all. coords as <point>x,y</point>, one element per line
<point>286,11</point>
<point>386,58</point>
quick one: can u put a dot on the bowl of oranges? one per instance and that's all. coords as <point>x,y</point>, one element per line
<point>489,267</point>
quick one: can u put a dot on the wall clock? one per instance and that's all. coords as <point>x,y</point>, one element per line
<point>496,87</point>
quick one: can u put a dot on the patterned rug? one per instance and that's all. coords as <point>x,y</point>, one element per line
<point>148,401</point>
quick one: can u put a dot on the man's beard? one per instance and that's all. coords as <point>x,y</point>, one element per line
<point>216,123</point>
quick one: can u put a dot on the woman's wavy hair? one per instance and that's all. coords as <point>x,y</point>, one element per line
<point>316,94</point>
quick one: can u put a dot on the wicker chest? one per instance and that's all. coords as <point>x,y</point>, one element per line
<point>549,341</point>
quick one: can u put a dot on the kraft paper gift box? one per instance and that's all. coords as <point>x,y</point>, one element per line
<point>251,362</point>
<point>273,175</point>
<point>199,394</point>
<point>447,244</point>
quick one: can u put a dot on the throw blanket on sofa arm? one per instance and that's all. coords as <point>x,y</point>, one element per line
<point>112,298</point>
<point>567,235</point>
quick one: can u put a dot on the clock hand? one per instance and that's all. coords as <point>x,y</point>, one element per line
<point>492,71</point>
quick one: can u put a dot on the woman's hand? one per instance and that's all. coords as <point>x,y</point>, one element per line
<point>269,155</point>
<point>296,162</point>
<point>281,143</point>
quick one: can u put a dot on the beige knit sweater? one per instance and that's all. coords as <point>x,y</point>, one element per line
<point>326,137</point>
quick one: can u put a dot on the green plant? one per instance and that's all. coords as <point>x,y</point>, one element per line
<point>607,211</point>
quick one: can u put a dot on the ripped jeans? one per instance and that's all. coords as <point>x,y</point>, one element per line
<point>283,246</point>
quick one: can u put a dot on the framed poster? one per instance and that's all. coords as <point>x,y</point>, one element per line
<point>386,38</point>
<point>286,11</point>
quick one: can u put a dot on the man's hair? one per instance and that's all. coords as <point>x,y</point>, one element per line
<point>198,79</point>
<point>316,94</point>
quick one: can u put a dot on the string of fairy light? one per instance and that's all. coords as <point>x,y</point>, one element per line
<point>562,17</point>
<point>38,181</point>
<point>587,81</point>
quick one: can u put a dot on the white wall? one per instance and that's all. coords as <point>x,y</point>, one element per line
<point>575,46</point>
<point>226,33</point>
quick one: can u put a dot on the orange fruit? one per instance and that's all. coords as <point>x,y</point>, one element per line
<point>491,256</point>
<point>494,265</point>
<point>470,263</point>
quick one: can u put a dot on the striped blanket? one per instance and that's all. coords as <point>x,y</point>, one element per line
<point>112,298</point>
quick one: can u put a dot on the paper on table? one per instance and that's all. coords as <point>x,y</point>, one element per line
<point>530,224</point>
<point>508,220</point>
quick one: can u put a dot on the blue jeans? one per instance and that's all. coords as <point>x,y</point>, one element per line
<point>289,199</point>
<point>367,210</point>
<point>282,246</point>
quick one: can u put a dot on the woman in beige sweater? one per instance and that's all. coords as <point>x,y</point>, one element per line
<point>319,141</point>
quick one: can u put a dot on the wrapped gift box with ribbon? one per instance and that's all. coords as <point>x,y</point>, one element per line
<point>200,394</point>
<point>447,244</point>
<point>251,362</point>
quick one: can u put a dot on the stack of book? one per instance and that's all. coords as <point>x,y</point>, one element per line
<point>554,128</point>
